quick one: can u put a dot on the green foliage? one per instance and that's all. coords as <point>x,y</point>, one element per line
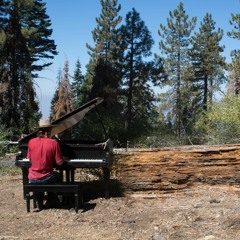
<point>105,84</point>
<point>5,136</point>
<point>120,75</point>
<point>105,34</point>
<point>234,75</point>
<point>158,138</point>
<point>26,46</point>
<point>220,124</point>
<point>35,27</point>
<point>208,64</point>
<point>174,45</point>
<point>121,71</point>
<point>235,33</point>
<point>77,85</point>
<point>103,73</point>
<point>137,72</point>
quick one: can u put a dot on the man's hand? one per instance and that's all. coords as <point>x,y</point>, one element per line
<point>60,163</point>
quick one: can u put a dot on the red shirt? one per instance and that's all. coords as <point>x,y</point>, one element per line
<point>43,154</point>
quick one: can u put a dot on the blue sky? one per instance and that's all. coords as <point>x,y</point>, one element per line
<point>74,20</point>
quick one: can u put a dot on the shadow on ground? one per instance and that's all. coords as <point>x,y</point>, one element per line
<point>90,190</point>
<point>96,189</point>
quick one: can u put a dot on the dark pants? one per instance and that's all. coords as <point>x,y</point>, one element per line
<point>53,178</point>
<point>39,197</point>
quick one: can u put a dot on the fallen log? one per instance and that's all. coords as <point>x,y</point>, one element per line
<point>172,169</point>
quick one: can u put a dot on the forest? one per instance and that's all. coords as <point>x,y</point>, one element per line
<point>123,71</point>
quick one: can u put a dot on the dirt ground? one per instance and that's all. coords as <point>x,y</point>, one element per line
<point>202,212</point>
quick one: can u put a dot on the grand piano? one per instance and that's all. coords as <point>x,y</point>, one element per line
<point>77,153</point>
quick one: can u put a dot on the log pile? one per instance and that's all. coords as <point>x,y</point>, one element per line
<point>171,169</point>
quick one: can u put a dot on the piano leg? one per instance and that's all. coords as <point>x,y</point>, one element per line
<point>106,177</point>
<point>72,175</point>
<point>67,175</point>
<point>24,179</point>
<point>28,201</point>
<point>61,175</point>
<point>76,201</point>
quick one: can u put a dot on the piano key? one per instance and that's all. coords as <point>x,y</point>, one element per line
<point>24,160</point>
<point>85,160</point>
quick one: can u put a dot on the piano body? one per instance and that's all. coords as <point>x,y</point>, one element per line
<point>76,153</point>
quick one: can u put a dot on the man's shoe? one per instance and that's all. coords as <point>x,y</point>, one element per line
<point>39,204</point>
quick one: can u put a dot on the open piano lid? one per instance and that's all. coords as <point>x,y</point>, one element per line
<point>68,120</point>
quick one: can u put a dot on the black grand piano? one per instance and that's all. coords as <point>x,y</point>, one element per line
<point>76,153</point>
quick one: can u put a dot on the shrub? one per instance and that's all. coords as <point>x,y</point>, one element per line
<point>5,135</point>
<point>221,125</point>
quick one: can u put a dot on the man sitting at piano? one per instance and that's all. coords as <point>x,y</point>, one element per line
<point>44,153</point>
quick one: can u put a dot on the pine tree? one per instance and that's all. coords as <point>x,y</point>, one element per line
<point>235,33</point>
<point>234,76</point>
<point>4,72</point>
<point>64,103</point>
<point>36,30</point>
<point>234,65</point>
<point>16,58</point>
<point>208,64</point>
<point>3,19</point>
<point>103,76</point>
<point>27,44</point>
<point>104,35</point>
<point>103,54</point>
<point>77,85</point>
<point>137,41</point>
<point>174,46</point>
<point>55,96</point>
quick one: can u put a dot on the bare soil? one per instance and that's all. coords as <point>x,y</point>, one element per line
<point>201,211</point>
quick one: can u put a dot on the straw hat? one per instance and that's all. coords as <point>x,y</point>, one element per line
<point>45,123</point>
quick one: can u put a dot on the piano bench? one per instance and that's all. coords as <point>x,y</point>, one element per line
<point>56,188</point>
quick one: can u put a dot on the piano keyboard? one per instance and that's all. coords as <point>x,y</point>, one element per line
<point>24,160</point>
<point>71,160</point>
<point>85,160</point>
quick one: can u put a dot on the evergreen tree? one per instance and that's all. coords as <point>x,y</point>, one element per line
<point>103,76</point>
<point>137,41</point>
<point>104,35</point>
<point>64,103</point>
<point>3,19</point>
<point>3,5</point>
<point>174,47</point>
<point>234,65</point>
<point>27,45</point>
<point>4,72</point>
<point>234,75</point>
<point>235,33</point>
<point>36,29</point>
<point>207,62</point>
<point>55,96</point>
<point>77,85</point>
<point>103,54</point>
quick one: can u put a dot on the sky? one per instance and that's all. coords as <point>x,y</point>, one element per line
<point>74,20</point>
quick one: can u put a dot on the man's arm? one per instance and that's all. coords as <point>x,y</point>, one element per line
<point>58,155</point>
